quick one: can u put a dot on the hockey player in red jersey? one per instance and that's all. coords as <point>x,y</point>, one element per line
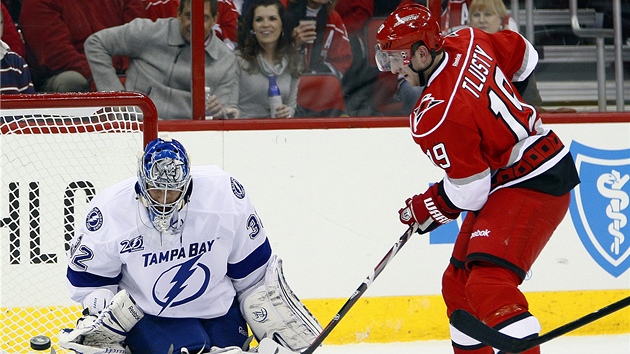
<point>502,165</point>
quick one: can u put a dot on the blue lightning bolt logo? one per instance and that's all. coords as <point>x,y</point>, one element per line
<point>179,283</point>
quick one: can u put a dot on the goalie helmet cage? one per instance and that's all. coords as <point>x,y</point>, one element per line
<point>57,152</point>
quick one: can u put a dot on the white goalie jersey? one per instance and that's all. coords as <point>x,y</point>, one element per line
<point>220,248</point>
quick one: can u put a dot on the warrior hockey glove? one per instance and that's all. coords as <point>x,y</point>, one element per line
<point>429,210</point>
<point>105,333</point>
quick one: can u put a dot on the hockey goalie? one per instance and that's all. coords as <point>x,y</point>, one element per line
<point>176,260</point>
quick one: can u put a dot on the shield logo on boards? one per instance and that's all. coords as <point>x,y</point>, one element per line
<point>599,207</point>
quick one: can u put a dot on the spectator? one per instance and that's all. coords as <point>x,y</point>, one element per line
<point>161,60</point>
<point>491,16</point>
<point>325,46</point>
<point>355,14</point>
<point>357,82</point>
<point>226,24</point>
<point>14,7</point>
<point>455,15</point>
<point>11,35</point>
<point>266,50</point>
<point>161,8</point>
<point>238,5</point>
<point>226,27</point>
<point>55,30</point>
<point>15,76</point>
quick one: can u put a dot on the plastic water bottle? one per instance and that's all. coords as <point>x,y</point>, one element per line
<point>208,94</point>
<point>275,100</point>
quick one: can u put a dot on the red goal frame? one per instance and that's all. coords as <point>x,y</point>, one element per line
<point>149,124</point>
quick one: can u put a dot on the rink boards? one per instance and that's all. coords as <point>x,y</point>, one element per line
<point>329,197</point>
<point>329,200</point>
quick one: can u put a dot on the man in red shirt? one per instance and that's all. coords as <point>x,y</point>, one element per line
<point>54,32</point>
<point>511,173</point>
<point>10,34</point>
<point>329,51</point>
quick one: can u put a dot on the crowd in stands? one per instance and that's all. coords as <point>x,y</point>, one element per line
<point>161,61</point>
<point>144,46</point>
<point>15,75</point>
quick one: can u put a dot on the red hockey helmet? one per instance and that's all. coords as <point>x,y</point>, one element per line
<point>407,25</point>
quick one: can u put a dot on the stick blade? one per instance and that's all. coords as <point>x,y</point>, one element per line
<point>471,326</point>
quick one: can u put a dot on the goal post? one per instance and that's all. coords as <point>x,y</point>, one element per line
<point>56,152</point>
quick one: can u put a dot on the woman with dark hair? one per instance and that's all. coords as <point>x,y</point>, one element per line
<point>266,51</point>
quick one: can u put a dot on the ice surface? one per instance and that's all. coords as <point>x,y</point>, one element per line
<point>609,344</point>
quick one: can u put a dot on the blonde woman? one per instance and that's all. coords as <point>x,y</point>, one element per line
<point>491,16</point>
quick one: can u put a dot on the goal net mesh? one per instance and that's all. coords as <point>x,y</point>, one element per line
<point>53,161</point>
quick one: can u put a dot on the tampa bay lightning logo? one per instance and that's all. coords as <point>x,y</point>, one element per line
<point>181,284</point>
<point>237,188</point>
<point>599,207</point>
<point>94,219</point>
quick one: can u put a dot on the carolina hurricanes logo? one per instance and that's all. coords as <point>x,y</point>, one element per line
<point>426,103</point>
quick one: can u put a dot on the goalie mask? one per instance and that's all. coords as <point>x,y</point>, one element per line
<point>164,182</point>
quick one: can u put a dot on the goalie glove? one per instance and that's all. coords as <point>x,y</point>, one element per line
<point>97,301</point>
<point>105,333</point>
<point>429,210</point>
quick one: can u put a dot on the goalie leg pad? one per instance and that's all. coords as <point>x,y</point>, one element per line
<point>105,333</point>
<point>272,310</point>
<point>268,346</point>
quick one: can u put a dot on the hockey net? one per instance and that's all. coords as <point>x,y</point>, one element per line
<point>57,151</point>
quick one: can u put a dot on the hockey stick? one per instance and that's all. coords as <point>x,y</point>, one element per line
<point>361,289</point>
<point>473,327</point>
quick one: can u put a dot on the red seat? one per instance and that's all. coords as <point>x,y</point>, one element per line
<point>320,95</point>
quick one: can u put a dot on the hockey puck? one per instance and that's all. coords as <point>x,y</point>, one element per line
<point>40,342</point>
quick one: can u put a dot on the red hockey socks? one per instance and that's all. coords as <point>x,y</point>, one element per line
<point>493,295</point>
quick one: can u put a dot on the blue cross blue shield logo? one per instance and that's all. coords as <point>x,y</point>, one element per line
<point>599,207</point>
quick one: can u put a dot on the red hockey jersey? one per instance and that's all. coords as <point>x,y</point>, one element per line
<point>472,122</point>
